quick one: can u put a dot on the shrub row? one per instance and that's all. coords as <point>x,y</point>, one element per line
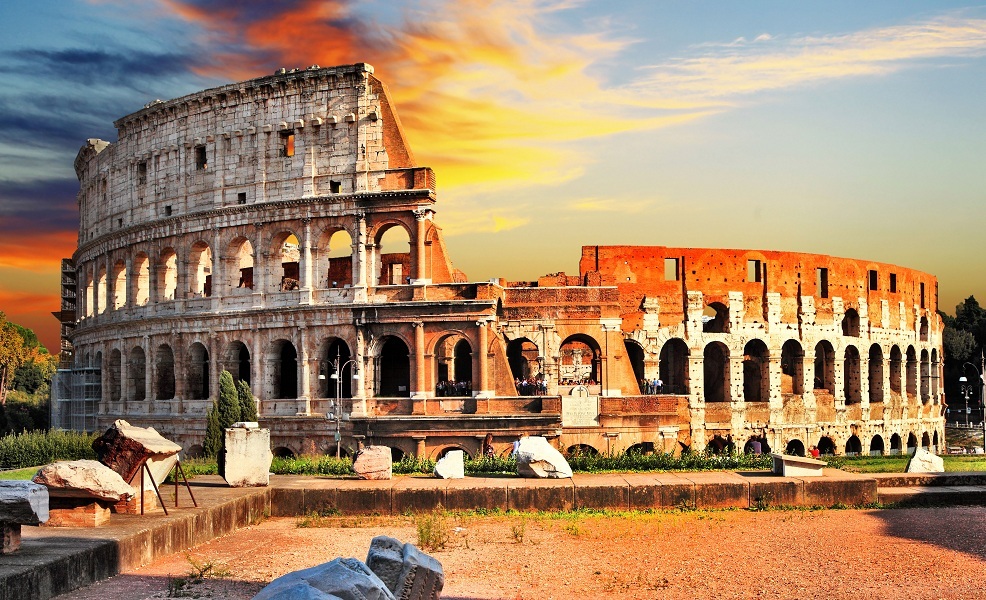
<point>34,448</point>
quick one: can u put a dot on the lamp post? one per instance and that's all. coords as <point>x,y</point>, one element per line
<point>966,389</point>
<point>338,366</point>
<point>981,372</point>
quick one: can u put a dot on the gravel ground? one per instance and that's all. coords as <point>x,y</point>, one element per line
<point>907,553</point>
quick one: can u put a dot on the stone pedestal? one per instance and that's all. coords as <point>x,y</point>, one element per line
<point>132,506</point>
<point>247,456</point>
<point>78,512</point>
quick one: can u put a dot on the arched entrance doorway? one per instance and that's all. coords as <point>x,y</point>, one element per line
<point>393,372</point>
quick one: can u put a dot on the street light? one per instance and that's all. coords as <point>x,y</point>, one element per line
<point>967,390</point>
<point>981,372</point>
<point>338,366</point>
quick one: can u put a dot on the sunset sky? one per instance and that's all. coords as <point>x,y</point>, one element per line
<point>846,128</point>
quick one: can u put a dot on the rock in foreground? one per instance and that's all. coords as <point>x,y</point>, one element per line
<point>925,462</point>
<point>340,579</point>
<point>124,447</point>
<point>537,458</point>
<point>408,572</point>
<point>83,479</point>
<point>374,462</point>
<point>451,466</point>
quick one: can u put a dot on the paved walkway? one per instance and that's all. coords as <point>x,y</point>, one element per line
<point>53,561</point>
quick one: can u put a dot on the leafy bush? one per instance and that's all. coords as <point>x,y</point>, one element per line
<point>34,448</point>
<point>661,461</point>
<point>312,465</point>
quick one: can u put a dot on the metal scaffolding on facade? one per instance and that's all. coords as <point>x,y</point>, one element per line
<point>75,395</point>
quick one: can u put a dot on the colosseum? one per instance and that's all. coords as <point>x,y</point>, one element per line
<point>280,229</point>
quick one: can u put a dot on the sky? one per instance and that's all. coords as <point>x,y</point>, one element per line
<point>854,129</point>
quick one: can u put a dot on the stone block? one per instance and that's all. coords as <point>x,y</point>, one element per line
<point>537,458</point>
<point>23,502</point>
<point>406,571</point>
<point>473,493</point>
<point>74,512</point>
<point>11,537</point>
<point>132,506</point>
<point>124,447</point>
<point>925,462</point>
<point>796,466</point>
<point>339,579</point>
<point>541,495</point>
<point>374,462</point>
<point>836,487</point>
<point>676,491</point>
<point>415,495</point>
<point>451,466</point>
<point>83,479</point>
<point>247,457</point>
<point>719,490</point>
<point>644,491</point>
<point>601,491</point>
<point>773,490</point>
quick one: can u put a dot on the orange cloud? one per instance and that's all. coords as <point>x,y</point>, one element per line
<point>37,252</point>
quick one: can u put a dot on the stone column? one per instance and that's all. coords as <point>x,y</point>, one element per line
<point>219,266</point>
<point>214,364</point>
<point>419,391</point>
<point>420,443</point>
<point>482,360</point>
<point>359,258</point>
<point>839,377</point>
<point>124,374</point>
<point>304,375</point>
<point>696,398</point>
<point>150,372</point>
<point>864,387</point>
<point>420,261</point>
<point>306,263</point>
<point>775,398</point>
<point>259,370</point>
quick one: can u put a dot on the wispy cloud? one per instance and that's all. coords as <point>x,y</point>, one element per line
<point>612,205</point>
<point>724,73</point>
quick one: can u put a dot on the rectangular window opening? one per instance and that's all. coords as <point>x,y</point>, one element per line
<point>753,271</point>
<point>287,143</point>
<point>200,160</point>
<point>893,283</point>
<point>874,280</point>
<point>335,187</point>
<point>671,270</point>
<point>822,282</point>
<point>922,294</point>
<point>167,210</point>
<point>142,173</point>
<point>241,198</point>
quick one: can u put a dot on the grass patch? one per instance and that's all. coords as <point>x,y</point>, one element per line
<point>898,464</point>
<point>20,474</point>
<point>434,530</point>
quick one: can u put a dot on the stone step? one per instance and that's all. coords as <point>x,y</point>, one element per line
<point>938,495</point>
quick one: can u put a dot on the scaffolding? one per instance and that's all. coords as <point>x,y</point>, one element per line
<point>75,396</point>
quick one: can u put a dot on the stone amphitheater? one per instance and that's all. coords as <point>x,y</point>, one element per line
<point>280,229</point>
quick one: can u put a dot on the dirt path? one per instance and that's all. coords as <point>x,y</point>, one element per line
<point>912,553</point>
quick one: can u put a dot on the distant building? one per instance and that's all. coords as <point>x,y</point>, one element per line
<point>242,228</point>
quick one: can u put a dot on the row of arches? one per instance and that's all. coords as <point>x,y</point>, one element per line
<point>282,265</point>
<point>715,319</point>
<point>854,446</point>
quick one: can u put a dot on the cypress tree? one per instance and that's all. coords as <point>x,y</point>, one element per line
<point>248,406</point>
<point>229,404</point>
<point>213,434</point>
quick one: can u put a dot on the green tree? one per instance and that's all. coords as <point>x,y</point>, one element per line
<point>213,434</point>
<point>12,354</point>
<point>248,406</point>
<point>228,406</point>
<point>958,344</point>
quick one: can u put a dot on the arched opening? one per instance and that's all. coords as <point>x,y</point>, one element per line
<point>284,370</point>
<point>441,454</point>
<point>142,269</point>
<point>137,374</point>
<point>283,452</point>
<point>286,256</point>
<point>241,260</point>
<point>850,323</point>
<point>453,365</point>
<point>522,355</point>
<point>114,372</point>
<point>238,361</point>
<point>119,285</point>
<point>852,387</point>
<point>90,295</point>
<point>934,441</point>
<point>396,455</point>
<point>923,332</point>
<point>101,289</point>
<point>853,446</point>
<point>393,255</point>
<point>393,372</point>
<point>792,368</point>
<point>912,372</point>
<point>335,371</point>
<point>926,441</point>
<point>715,318</point>
<point>580,361</point>
<point>876,446</point>
<point>935,369</point>
<point>674,367</point>
<point>795,448</point>
<point>896,369</point>
<point>197,384</point>
<point>826,446</point>
<point>635,354</point>
<point>646,448</point>
<point>582,449</point>
<point>912,443</point>
<point>167,278</point>
<point>165,368</point>
<point>876,374</point>
<point>200,267</point>
<point>824,367</point>
<point>335,259</point>
<point>195,451</point>
<point>716,372</point>
<point>756,377</point>
<point>895,445</point>
<point>925,377</point>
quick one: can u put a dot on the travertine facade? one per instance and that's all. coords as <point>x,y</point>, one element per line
<point>243,227</point>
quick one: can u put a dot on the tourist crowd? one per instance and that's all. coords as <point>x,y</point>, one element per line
<point>531,386</point>
<point>453,388</point>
